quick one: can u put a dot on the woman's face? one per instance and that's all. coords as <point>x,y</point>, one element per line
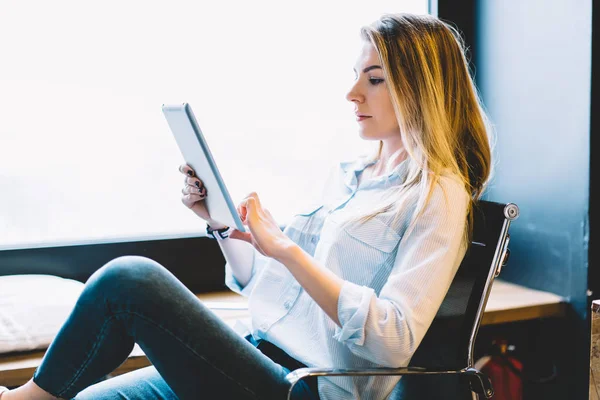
<point>372,103</point>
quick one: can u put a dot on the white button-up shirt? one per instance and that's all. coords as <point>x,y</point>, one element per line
<point>393,285</point>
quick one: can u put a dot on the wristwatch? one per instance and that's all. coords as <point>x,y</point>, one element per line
<point>218,234</point>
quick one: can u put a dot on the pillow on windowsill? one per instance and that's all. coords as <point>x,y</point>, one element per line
<point>33,308</point>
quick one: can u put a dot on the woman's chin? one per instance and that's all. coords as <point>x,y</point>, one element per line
<point>367,135</point>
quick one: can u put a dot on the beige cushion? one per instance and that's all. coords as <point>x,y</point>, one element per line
<point>33,308</point>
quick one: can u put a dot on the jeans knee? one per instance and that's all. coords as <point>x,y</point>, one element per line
<point>128,274</point>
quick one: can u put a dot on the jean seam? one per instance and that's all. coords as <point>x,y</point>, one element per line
<point>148,320</point>
<point>90,354</point>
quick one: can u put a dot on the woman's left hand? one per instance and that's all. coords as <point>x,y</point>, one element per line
<point>265,235</point>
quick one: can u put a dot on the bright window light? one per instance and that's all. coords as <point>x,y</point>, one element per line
<point>86,155</point>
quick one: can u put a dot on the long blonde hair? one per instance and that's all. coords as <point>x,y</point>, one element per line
<point>443,125</point>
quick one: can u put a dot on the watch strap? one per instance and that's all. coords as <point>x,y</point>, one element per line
<point>218,234</point>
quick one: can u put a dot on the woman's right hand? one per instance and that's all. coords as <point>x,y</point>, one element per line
<point>194,193</point>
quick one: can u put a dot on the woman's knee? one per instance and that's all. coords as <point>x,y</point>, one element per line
<point>128,274</point>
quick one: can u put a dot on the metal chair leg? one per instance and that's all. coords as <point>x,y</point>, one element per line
<point>480,383</point>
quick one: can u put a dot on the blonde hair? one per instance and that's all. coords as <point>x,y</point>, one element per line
<point>443,125</point>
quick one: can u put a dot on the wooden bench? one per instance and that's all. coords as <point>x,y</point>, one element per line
<point>507,303</point>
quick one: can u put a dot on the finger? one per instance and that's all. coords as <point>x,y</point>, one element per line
<point>187,170</point>
<point>254,197</point>
<point>250,208</point>
<point>250,196</point>
<point>253,205</point>
<point>242,212</point>
<point>195,189</point>
<point>193,181</point>
<point>190,199</point>
<point>254,215</point>
<point>188,189</point>
<point>269,214</point>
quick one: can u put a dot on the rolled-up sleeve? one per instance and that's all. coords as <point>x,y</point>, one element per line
<point>354,304</point>
<point>387,329</point>
<point>258,263</point>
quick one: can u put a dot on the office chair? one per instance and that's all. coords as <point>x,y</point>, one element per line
<point>448,346</point>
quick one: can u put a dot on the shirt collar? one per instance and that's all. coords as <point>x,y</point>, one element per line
<point>354,167</point>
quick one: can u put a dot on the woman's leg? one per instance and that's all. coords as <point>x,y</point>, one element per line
<point>144,383</point>
<point>134,299</point>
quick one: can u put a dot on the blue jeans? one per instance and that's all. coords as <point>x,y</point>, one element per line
<point>194,354</point>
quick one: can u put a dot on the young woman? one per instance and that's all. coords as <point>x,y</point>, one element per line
<point>354,281</point>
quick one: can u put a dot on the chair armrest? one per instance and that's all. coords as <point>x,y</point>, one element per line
<point>479,380</point>
<point>301,373</point>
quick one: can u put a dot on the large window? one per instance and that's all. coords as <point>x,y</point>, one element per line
<point>85,152</point>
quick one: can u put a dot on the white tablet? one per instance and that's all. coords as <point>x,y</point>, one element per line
<point>197,155</point>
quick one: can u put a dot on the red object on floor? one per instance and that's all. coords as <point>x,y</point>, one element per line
<point>506,381</point>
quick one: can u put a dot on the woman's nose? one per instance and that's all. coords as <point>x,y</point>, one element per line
<point>354,95</point>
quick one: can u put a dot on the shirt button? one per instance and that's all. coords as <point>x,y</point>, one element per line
<point>287,305</point>
<point>263,327</point>
<point>313,239</point>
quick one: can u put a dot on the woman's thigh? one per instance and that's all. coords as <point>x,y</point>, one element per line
<point>141,384</point>
<point>194,351</point>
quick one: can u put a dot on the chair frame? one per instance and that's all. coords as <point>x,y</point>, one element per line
<point>479,382</point>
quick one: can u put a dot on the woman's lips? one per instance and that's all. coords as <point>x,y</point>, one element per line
<point>361,118</point>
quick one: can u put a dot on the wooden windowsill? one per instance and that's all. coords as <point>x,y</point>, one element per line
<point>509,302</point>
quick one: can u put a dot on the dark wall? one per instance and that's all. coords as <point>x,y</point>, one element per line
<point>534,72</point>
<point>534,64</point>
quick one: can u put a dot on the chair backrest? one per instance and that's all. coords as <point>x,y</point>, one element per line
<point>449,342</point>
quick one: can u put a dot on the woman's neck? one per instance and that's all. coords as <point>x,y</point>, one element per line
<point>386,163</point>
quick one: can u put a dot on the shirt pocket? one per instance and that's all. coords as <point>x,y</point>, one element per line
<point>361,252</point>
<point>304,227</point>
<point>374,234</point>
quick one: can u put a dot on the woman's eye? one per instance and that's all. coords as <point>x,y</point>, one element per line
<point>375,81</point>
